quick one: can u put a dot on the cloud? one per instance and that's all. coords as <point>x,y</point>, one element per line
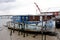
<point>48,3</point>
<point>6,6</point>
<point>23,7</point>
<point>1,1</point>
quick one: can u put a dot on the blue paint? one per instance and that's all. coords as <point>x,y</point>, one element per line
<point>32,22</point>
<point>24,19</point>
<point>15,18</point>
<point>20,18</point>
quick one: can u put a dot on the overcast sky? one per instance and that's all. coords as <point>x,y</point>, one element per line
<point>23,7</point>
